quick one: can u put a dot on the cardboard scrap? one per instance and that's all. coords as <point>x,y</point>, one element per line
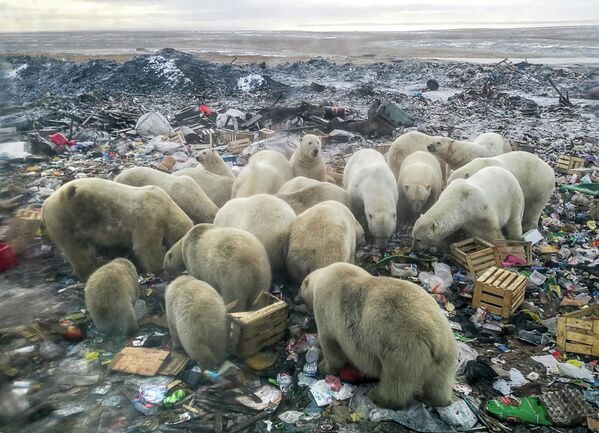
<point>148,362</point>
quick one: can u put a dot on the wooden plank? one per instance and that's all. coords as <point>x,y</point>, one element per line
<point>266,335</point>
<point>577,323</point>
<point>482,253</point>
<point>576,337</point>
<point>257,327</point>
<point>508,280</point>
<point>578,348</point>
<point>487,274</point>
<point>493,309</point>
<point>494,290</point>
<point>263,313</point>
<point>491,299</point>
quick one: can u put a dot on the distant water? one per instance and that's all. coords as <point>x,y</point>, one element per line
<point>546,42</point>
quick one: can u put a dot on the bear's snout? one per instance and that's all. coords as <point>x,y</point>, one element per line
<point>430,147</point>
<point>315,152</point>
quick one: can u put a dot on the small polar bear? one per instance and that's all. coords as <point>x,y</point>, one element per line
<point>458,153</point>
<point>110,294</point>
<point>536,179</point>
<point>388,328</point>
<point>195,313</point>
<point>84,215</point>
<point>307,159</point>
<point>265,173</point>
<point>408,143</point>
<point>488,205</point>
<point>265,216</point>
<point>217,187</point>
<point>232,261</point>
<point>373,191</point>
<point>213,162</point>
<point>324,234</point>
<point>297,183</point>
<point>182,189</point>
<point>419,184</point>
<point>308,196</point>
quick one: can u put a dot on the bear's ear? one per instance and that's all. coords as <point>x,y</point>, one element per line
<point>435,226</point>
<point>465,193</point>
<point>428,188</point>
<point>406,187</point>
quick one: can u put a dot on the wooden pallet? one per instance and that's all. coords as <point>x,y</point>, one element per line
<point>475,255</point>
<point>252,330</point>
<point>499,291</point>
<point>578,332</point>
<point>521,249</point>
<point>567,163</point>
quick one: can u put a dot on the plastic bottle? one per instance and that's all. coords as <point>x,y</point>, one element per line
<point>443,271</point>
<point>311,365</point>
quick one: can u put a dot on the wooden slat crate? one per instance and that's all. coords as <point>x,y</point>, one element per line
<point>252,330</point>
<point>520,249</point>
<point>475,255</point>
<point>499,291</point>
<point>578,332</point>
<point>567,163</point>
<point>265,133</point>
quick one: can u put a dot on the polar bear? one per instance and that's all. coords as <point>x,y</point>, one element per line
<point>182,189</point>
<point>231,260</point>
<point>307,197</point>
<point>85,214</point>
<point>407,144</point>
<point>110,294</point>
<point>307,159</point>
<point>324,234</point>
<point>373,191</point>
<point>489,205</point>
<point>195,313</point>
<point>297,183</point>
<point>265,216</point>
<point>266,172</point>
<point>458,153</point>
<point>213,162</point>
<point>217,187</point>
<point>388,328</point>
<point>536,179</point>
<point>419,184</point>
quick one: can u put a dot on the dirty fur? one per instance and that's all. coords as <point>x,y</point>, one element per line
<point>182,189</point>
<point>297,183</point>
<point>231,260</point>
<point>536,179</point>
<point>488,205</point>
<point>195,313</point>
<point>213,162</point>
<point>457,153</point>
<point>408,143</point>
<point>389,329</point>
<point>307,197</point>
<point>265,216</point>
<point>110,295</point>
<point>307,159</point>
<point>85,214</point>
<point>265,173</point>
<point>217,187</point>
<point>324,234</point>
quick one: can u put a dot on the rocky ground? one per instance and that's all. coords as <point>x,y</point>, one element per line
<point>53,363</point>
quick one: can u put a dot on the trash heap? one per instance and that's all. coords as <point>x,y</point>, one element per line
<point>527,351</point>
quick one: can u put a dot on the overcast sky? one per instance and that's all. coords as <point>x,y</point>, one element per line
<point>63,15</point>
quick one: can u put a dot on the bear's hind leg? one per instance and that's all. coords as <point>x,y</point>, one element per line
<point>438,392</point>
<point>147,243</point>
<point>513,228</point>
<point>333,357</point>
<point>396,388</point>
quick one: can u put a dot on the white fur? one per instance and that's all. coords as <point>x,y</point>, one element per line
<point>297,183</point>
<point>217,187</point>
<point>213,162</point>
<point>307,159</point>
<point>405,145</point>
<point>458,153</point>
<point>265,173</point>
<point>308,196</point>
<point>419,184</point>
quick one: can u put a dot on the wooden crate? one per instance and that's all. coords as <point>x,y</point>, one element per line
<point>250,331</point>
<point>475,255</point>
<point>578,332</point>
<point>567,163</point>
<point>265,133</point>
<point>522,249</point>
<point>499,291</point>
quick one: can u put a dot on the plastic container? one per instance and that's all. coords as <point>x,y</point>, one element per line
<point>8,259</point>
<point>443,271</point>
<point>311,365</point>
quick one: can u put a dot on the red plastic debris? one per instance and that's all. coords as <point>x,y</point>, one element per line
<point>61,140</point>
<point>8,259</point>
<point>351,374</point>
<point>206,110</point>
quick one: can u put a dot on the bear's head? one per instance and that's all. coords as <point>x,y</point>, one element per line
<point>206,155</point>
<point>442,145</point>
<point>424,233</point>
<point>306,291</point>
<point>310,146</point>
<point>173,264</point>
<point>381,224</point>
<point>417,195</point>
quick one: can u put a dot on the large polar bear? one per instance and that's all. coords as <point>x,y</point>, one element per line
<point>217,187</point>
<point>213,162</point>
<point>308,196</point>
<point>232,261</point>
<point>307,159</point>
<point>419,184</point>
<point>488,205</point>
<point>110,293</point>
<point>458,153</point>
<point>265,173</point>
<point>265,216</point>
<point>297,183</point>
<point>373,191</point>
<point>388,328</point>
<point>536,178</point>
<point>195,313</point>
<point>324,234</point>
<point>182,189</point>
<point>85,214</point>
<point>408,143</point>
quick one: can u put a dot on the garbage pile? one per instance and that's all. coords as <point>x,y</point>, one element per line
<point>58,373</point>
